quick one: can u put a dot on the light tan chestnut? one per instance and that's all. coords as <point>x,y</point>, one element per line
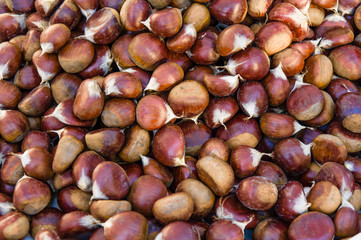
<point>105,209</point>
<point>118,112</point>
<point>137,143</point>
<point>175,207</point>
<point>14,225</point>
<point>89,100</point>
<point>67,150</point>
<point>202,196</point>
<point>216,174</point>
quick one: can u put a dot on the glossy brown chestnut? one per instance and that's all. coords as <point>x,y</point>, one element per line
<point>329,148</point>
<point>183,40</point>
<point>348,111</point>
<point>13,125</point>
<point>49,43</point>
<point>62,180</point>
<point>73,199</point>
<point>76,222</point>
<point>291,201</point>
<point>327,113</point>
<point>31,44</point>
<point>106,141</point>
<point>68,13</point>
<point>252,98</point>
<point>164,23</point>
<point>204,50</point>
<point>151,57</point>
<point>10,95</point>
<point>291,59</point>
<point>10,59</point>
<point>27,78</point>
<point>122,84</point>
<point>271,172</point>
<point>346,221</point>
<point>257,193</point>
<point>229,12</point>
<point>103,27</point>
<point>178,230</point>
<point>214,147</point>
<point>223,227</point>
<point>133,12</point>
<point>339,86</point>
<point>31,195</point>
<point>100,65</point>
<point>345,60</point>
<point>165,77</point>
<point>110,181</point>
<point>155,169</point>
<point>35,103</point>
<point>169,137</point>
<point>133,170</point>
<point>270,227</point>
<point>118,226</point>
<point>11,170</point>
<point>46,64</point>
<point>240,130</point>
<point>145,191</point>
<point>303,227</point>
<point>234,38</point>
<point>47,219</point>
<point>219,111</point>
<point>65,86</point>
<point>14,225</point>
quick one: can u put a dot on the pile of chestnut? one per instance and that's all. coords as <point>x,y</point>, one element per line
<point>180,119</point>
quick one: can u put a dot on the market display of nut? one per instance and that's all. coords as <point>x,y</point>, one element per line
<point>180,119</point>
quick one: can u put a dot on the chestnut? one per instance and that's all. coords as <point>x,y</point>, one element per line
<point>13,125</point>
<point>221,228</point>
<point>73,199</point>
<point>46,64</point>
<point>100,64</point>
<point>110,181</point>
<point>257,8</point>
<point>289,14</point>
<point>105,141</point>
<point>183,40</point>
<point>257,193</point>
<point>324,197</point>
<point>155,169</point>
<point>169,146</point>
<point>270,228</point>
<point>67,150</point>
<point>221,85</point>
<point>35,20</point>
<point>216,174</point>
<point>293,156</point>
<point>133,12</point>
<point>204,50</point>
<point>122,84</point>
<point>118,226</point>
<point>76,222</point>
<point>326,114</point>
<point>27,78</point>
<point>244,160</point>
<point>164,23</point>
<point>87,8</point>
<point>271,172</point>
<point>102,27</point>
<point>144,192</point>
<point>65,86</point>
<point>273,37</point>
<point>240,130</point>
<point>49,43</point>
<point>175,207</point>
<point>105,209</point>
<point>273,125</point>
<point>12,169</point>
<point>10,95</point>
<point>291,201</point>
<point>339,86</point>
<point>31,195</point>
<point>252,64</point>
<point>165,77</point>
<point>306,48</point>
<point>229,12</point>
<point>83,168</point>
<point>183,172</point>
<point>137,142</point>
<point>291,59</point>
<point>346,220</point>
<point>62,180</point>
<point>328,148</point>
<point>198,15</point>
<point>149,58</point>
<point>47,219</point>
<point>153,112</point>
<point>234,38</point>
<point>219,111</point>
<point>348,109</point>
<point>345,60</point>
<point>68,13</point>
<point>202,196</point>
<point>338,175</point>
<point>10,59</point>
<point>214,147</point>
<point>6,205</point>
<point>178,230</point>
<point>31,44</point>
<point>47,234</point>
<point>14,225</point>
<point>11,25</point>
<point>35,103</point>
<point>89,100</point>
<point>303,227</point>
<point>229,207</point>
<point>252,98</point>
<point>133,171</point>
